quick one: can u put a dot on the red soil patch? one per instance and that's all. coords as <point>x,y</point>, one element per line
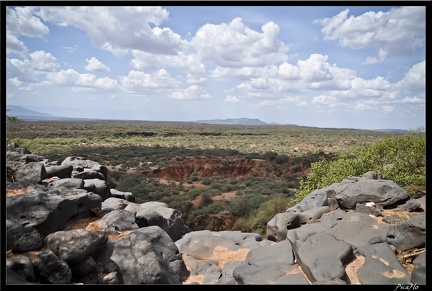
<point>14,192</point>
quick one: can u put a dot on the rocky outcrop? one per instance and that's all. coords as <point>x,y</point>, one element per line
<point>71,228</point>
<point>208,166</point>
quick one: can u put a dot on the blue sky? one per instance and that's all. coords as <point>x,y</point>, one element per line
<point>325,66</point>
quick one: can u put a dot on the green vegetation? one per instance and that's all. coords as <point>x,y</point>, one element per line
<point>401,159</point>
<point>10,126</point>
<point>258,217</point>
<point>43,137</point>
<point>133,149</point>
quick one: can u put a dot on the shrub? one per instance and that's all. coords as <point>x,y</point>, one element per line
<point>193,193</point>
<point>205,199</point>
<point>194,177</point>
<point>401,159</point>
<point>205,181</point>
<point>281,159</point>
<point>213,192</point>
<point>245,205</point>
<point>269,155</point>
<point>214,208</point>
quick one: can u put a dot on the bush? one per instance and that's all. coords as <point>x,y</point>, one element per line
<point>258,217</point>
<point>205,199</point>
<point>245,205</point>
<point>194,177</point>
<point>281,159</point>
<point>214,208</point>
<point>401,159</point>
<point>205,181</point>
<point>193,193</point>
<point>270,156</point>
<point>213,192</point>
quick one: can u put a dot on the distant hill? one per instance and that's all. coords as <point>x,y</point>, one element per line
<point>32,115</point>
<point>392,130</point>
<point>27,114</point>
<point>234,121</point>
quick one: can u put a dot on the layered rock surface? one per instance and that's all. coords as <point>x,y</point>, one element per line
<point>64,225</point>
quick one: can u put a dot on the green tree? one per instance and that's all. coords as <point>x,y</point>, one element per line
<point>10,126</point>
<point>245,205</point>
<point>260,210</point>
<point>266,211</point>
<point>401,159</point>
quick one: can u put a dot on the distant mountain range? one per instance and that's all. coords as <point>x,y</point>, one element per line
<point>234,121</point>
<point>392,130</point>
<point>32,115</point>
<point>26,114</point>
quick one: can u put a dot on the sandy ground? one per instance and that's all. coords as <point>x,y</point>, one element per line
<point>223,255</point>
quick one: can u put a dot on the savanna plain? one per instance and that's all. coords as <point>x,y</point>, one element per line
<point>227,177</point>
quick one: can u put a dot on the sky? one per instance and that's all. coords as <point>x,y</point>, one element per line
<point>326,66</point>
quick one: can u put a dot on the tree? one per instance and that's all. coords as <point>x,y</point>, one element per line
<point>10,121</point>
<point>401,159</point>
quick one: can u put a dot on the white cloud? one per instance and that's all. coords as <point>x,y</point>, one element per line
<point>81,81</point>
<point>315,68</point>
<point>106,84</point>
<point>37,61</point>
<point>43,61</point>
<point>235,45</point>
<point>32,67</point>
<point>370,88</point>
<point>374,94</point>
<point>311,75</point>
<point>382,54</point>
<point>367,104</point>
<point>71,49</point>
<point>324,99</point>
<point>240,59</point>
<point>232,99</point>
<point>94,64</point>
<point>189,63</point>
<point>413,100</point>
<point>193,92</point>
<point>15,81</point>
<point>120,28</point>
<point>64,77</point>
<point>197,80</point>
<point>269,103</point>
<point>244,73</point>
<point>14,45</point>
<point>289,72</point>
<point>21,21</point>
<point>400,31</point>
<point>287,103</point>
<point>115,50</point>
<point>188,66</point>
<point>137,81</point>
<point>415,78</point>
<point>85,80</point>
<point>147,61</point>
<point>360,95</point>
<point>16,67</point>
